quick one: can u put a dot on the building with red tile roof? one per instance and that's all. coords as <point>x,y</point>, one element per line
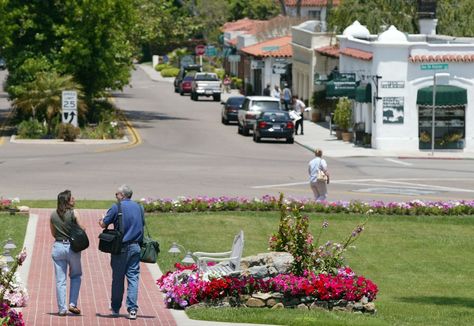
<point>278,47</point>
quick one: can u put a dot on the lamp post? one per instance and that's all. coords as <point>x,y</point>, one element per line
<point>6,256</point>
<point>435,81</point>
<point>188,258</point>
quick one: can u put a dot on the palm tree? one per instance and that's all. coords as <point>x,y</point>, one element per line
<point>41,98</point>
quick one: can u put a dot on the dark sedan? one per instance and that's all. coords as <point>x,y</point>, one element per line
<point>231,108</point>
<point>274,124</point>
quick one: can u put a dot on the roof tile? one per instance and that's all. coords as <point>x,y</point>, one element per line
<point>451,57</point>
<point>310,3</point>
<point>330,51</point>
<point>277,48</point>
<point>356,53</point>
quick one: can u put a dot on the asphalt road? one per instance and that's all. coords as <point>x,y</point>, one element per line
<point>186,151</point>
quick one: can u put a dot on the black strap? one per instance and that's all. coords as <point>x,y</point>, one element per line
<point>119,215</point>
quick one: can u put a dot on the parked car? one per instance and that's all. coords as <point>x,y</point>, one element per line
<point>186,85</point>
<point>252,107</point>
<point>230,109</point>
<point>3,64</point>
<point>206,84</point>
<point>274,124</point>
<point>183,72</point>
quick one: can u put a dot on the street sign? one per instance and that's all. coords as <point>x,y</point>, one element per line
<point>187,60</point>
<point>234,58</point>
<point>200,49</point>
<point>69,106</point>
<point>434,66</point>
<point>211,51</point>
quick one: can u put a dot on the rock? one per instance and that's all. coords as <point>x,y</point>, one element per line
<point>364,300</point>
<point>258,271</point>
<point>358,306</point>
<point>272,302</point>
<point>277,295</point>
<point>255,303</point>
<point>266,264</point>
<point>340,303</point>
<point>369,307</point>
<point>278,306</point>
<point>321,305</point>
<point>350,306</point>
<point>291,302</point>
<point>262,296</point>
<point>339,308</point>
<point>302,306</point>
<point>244,297</point>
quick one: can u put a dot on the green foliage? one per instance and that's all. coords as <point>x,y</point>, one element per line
<point>455,19</point>
<point>220,73</point>
<point>237,82</point>
<point>170,72</point>
<point>103,130</point>
<point>175,56</point>
<point>343,113</point>
<point>41,98</point>
<point>262,9</point>
<point>67,132</point>
<point>161,66</point>
<point>31,129</point>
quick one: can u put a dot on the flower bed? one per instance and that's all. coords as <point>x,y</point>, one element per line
<point>187,286</point>
<point>270,203</point>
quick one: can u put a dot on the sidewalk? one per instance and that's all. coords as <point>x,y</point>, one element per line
<point>94,296</point>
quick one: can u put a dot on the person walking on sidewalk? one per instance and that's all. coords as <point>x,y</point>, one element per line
<point>63,255</point>
<point>286,96</point>
<point>317,181</point>
<point>267,90</point>
<point>299,108</point>
<point>276,92</point>
<point>127,263</point>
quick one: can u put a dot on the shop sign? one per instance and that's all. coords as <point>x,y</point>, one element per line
<point>271,48</point>
<point>257,64</point>
<point>393,84</point>
<point>234,58</point>
<point>211,51</point>
<point>344,81</point>
<point>279,68</point>
<point>434,66</point>
<point>393,111</point>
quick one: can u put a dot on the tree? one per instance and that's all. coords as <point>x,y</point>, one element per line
<point>376,15</point>
<point>87,39</point>
<point>263,9</point>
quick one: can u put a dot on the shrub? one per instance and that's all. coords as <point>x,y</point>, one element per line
<point>170,72</point>
<point>68,132</point>
<point>237,82</point>
<point>31,129</point>
<point>343,113</point>
<point>161,66</point>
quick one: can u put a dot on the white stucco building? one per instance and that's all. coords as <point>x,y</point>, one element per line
<point>394,74</point>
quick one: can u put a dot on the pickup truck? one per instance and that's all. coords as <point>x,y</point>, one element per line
<point>206,84</point>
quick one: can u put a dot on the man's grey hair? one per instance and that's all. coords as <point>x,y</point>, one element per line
<point>126,191</point>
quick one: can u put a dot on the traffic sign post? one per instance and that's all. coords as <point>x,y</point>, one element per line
<point>200,50</point>
<point>69,106</point>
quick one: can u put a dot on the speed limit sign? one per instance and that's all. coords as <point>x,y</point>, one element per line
<point>69,105</point>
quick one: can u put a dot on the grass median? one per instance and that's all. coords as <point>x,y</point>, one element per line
<point>422,265</point>
<point>14,227</point>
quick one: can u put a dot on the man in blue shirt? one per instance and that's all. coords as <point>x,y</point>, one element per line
<point>127,263</point>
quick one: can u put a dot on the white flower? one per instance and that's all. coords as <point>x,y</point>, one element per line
<point>113,123</point>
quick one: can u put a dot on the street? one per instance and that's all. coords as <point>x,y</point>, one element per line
<point>186,151</point>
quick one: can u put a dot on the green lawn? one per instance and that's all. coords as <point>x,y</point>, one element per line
<point>80,204</point>
<point>14,227</point>
<point>422,265</point>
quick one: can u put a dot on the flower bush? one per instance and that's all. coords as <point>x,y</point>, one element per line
<point>293,236</point>
<point>187,286</point>
<point>12,294</point>
<point>270,203</point>
<point>8,204</point>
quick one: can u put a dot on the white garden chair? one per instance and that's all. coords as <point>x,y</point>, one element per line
<point>228,261</point>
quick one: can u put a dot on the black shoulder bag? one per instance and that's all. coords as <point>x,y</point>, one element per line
<point>77,237</point>
<point>110,240</point>
<point>149,248</point>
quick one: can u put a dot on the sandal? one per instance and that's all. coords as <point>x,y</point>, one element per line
<point>74,310</point>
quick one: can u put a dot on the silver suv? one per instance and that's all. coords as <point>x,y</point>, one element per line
<point>251,109</point>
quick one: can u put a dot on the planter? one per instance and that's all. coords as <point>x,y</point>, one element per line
<point>339,134</point>
<point>346,136</point>
<point>315,116</point>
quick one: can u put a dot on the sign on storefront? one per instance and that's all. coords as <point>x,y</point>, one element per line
<point>279,68</point>
<point>392,84</point>
<point>393,111</point>
<point>257,64</point>
<point>434,66</point>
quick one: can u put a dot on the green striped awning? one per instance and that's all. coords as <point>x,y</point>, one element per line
<point>445,95</point>
<point>364,93</point>
<point>336,89</point>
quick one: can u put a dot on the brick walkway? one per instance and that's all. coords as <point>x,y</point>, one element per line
<point>95,288</point>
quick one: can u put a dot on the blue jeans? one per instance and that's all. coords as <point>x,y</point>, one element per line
<point>62,257</point>
<point>126,264</point>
